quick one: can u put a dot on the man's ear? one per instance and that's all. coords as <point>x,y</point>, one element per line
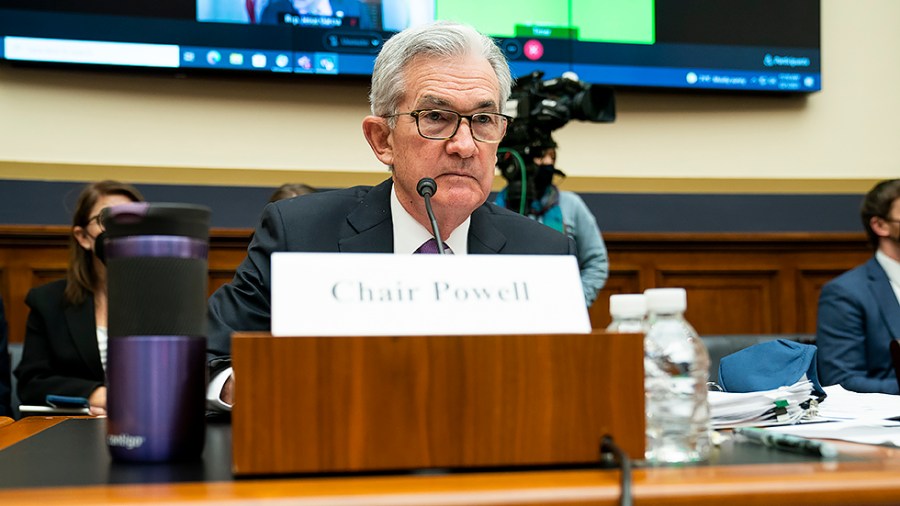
<point>380,138</point>
<point>879,226</point>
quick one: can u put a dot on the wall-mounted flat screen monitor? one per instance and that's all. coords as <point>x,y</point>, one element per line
<point>745,45</point>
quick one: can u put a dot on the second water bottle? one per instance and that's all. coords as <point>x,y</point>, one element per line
<point>676,369</point>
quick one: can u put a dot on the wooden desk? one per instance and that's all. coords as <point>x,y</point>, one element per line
<point>387,403</point>
<point>11,432</point>
<point>862,476</point>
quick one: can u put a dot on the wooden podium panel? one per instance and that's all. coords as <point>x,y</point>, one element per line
<point>338,404</point>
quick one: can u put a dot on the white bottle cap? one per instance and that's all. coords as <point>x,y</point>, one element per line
<point>666,300</point>
<point>627,305</point>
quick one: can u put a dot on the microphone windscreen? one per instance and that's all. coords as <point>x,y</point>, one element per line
<point>426,186</point>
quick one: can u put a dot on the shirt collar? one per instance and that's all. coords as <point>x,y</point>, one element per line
<point>409,234</point>
<point>891,267</point>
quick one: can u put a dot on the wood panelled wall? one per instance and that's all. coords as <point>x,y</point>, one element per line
<point>737,283</point>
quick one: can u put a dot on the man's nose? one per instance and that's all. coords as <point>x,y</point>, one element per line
<point>462,142</point>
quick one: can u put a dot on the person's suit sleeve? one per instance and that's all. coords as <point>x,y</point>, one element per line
<point>841,343</point>
<point>46,368</point>
<point>591,250</point>
<point>244,304</point>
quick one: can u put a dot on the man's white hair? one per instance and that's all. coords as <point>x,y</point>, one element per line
<point>440,39</point>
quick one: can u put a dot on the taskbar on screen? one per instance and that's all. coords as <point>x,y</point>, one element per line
<point>776,73</point>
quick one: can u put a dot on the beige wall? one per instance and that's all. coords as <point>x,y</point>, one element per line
<point>62,124</point>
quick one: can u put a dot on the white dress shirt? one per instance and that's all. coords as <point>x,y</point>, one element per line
<point>892,269</point>
<point>102,344</point>
<point>409,234</point>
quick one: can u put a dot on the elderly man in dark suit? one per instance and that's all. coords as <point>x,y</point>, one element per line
<point>436,96</point>
<point>859,311</point>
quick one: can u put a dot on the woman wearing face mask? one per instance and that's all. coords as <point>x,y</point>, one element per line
<point>64,352</point>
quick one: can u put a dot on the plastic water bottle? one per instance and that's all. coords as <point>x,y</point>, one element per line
<point>628,313</point>
<point>676,368</point>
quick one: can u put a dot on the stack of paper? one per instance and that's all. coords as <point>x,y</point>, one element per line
<point>874,432</point>
<point>842,404</point>
<point>770,407</point>
<point>857,417</point>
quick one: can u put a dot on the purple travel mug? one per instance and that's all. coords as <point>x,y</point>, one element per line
<point>156,257</point>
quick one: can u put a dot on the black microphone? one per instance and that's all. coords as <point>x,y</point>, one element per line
<point>426,188</point>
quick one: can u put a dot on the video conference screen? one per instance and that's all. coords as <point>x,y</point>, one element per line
<point>750,45</point>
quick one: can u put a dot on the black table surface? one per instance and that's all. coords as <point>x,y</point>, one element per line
<point>74,453</point>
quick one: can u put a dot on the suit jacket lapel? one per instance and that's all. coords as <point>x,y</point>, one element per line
<point>373,230</point>
<point>484,236</point>
<point>83,330</point>
<point>880,286</point>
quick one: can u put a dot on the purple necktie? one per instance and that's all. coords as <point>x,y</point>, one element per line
<point>430,247</point>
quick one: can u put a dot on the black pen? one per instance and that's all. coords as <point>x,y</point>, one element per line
<point>788,442</point>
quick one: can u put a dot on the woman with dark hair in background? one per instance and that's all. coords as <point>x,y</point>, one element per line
<point>64,352</point>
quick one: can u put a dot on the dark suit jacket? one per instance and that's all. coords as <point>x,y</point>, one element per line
<point>355,220</point>
<point>858,317</point>
<point>60,355</point>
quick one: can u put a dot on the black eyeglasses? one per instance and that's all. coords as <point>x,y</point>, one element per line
<point>440,124</point>
<point>97,218</point>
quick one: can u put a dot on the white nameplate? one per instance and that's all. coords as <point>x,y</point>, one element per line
<point>354,294</point>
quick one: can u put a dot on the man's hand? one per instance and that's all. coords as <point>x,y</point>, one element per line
<point>227,395</point>
<point>97,402</point>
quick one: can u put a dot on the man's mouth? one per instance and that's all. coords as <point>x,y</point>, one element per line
<point>458,174</point>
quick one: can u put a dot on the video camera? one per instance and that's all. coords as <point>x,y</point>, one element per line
<point>538,108</point>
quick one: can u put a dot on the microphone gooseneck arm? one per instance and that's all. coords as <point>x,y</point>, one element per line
<point>426,188</point>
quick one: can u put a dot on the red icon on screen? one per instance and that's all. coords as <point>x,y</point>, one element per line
<point>533,50</point>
